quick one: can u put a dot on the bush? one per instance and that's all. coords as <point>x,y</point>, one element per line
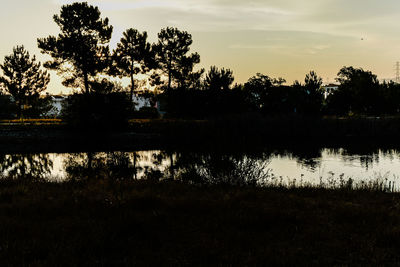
<point>146,113</point>
<point>8,108</point>
<point>39,107</point>
<point>97,111</point>
<point>203,104</point>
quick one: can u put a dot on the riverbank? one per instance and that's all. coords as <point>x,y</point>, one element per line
<point>105,222</point>
<point>244,131</point>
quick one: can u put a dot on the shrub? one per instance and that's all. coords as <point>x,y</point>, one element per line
<point>8,108</point>
<point>97,110</point>
<point>146,113</point>
<point>39,107</point>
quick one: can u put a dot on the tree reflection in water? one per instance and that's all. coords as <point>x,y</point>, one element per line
<point>217,168</point>
<point>367,158</point>
<point>210,168</point>
<point>206,167</point>
<point>26,166</point>
<point>116,165</point>
<point>236,168</point>
<point>309,158</point>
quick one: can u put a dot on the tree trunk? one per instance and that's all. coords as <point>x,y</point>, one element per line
<point>172,169</point>
<point>86,81</point>
<point>132,88</point>
<point>90,160</point>
<point>169,72</point>
<point>134,165</point>
<point>20,110</point>
<point>169,80</point>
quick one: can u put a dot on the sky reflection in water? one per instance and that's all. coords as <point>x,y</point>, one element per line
<point>262,167</point>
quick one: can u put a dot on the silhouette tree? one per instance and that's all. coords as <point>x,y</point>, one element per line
<point>390,92</point>
<point>269,95</point>
<point>186,77</point>
<point>278,81</point>
<point>105,86</point>
<point>171,56</point>
<point>23,78</point>
<point>133,55</point>
<point>81,50</point>
<point>312,81</point>
<point>218,79</point>
<point>313,93</point>
<point>257,89</point>
<point>358,92</point>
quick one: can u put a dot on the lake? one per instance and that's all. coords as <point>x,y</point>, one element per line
<point>329,167</point>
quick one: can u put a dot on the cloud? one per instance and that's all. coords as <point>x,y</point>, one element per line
<point>325,16</point>
<point>219,8</point>
<point>315,33</point>
<point>249,46</point>
<point>119,5</point>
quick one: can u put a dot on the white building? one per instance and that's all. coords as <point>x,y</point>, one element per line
<point>58,100</point>
<point>329,89</point>
<point>56,103</point>
<point>140,101</point>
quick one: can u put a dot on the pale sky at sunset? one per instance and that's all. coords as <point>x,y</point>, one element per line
<point>279,38</point>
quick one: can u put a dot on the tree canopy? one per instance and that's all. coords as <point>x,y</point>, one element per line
<point>133,55</point>
<point>359,91</point>
<point>173,59</point>
<point>81,49</point>
<point>218,79</point>
<point>313,95</point>
<point>23,77</point>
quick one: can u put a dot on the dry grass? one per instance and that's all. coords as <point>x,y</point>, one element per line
<point>31,121</point>
<point>103,222</point>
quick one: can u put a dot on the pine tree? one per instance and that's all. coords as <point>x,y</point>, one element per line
<point>171,56</point>
<point>133,56</point>
<point>81,50</point>
<point>23,78</point>
<point>218,79</point>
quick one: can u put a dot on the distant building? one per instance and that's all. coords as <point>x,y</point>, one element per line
<point>329,89</point>
<point>140,101</point>
<point>56,103</point>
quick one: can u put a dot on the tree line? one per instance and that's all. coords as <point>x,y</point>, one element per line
<point>81,55</point>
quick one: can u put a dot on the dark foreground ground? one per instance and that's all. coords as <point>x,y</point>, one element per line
<point>107,223</point>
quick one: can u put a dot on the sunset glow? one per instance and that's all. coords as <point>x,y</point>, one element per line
<point>283,38</point>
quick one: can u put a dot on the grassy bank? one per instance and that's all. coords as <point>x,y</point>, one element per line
<point>244,131</point>
<point>255,126</point>
<point>102,222</point>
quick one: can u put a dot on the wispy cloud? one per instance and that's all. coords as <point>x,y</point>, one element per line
<point>315,33</point>
<point>249,46</point>
<point>121,5</point>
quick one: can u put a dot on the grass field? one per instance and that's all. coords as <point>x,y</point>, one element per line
<point>103,222</point>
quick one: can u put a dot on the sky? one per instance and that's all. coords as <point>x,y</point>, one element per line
<point>278,38</point>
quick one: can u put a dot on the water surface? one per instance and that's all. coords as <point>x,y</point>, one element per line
<point>325,166</point>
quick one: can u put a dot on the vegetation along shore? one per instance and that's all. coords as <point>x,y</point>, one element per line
<point>104,221</point>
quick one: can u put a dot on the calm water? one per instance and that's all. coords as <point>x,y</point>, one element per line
<point>317,166</point>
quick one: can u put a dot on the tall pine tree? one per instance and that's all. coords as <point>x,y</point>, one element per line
<point>173,59</point>
<point>133,56</point>
<point>81,50</point>
<point>23,78</point>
